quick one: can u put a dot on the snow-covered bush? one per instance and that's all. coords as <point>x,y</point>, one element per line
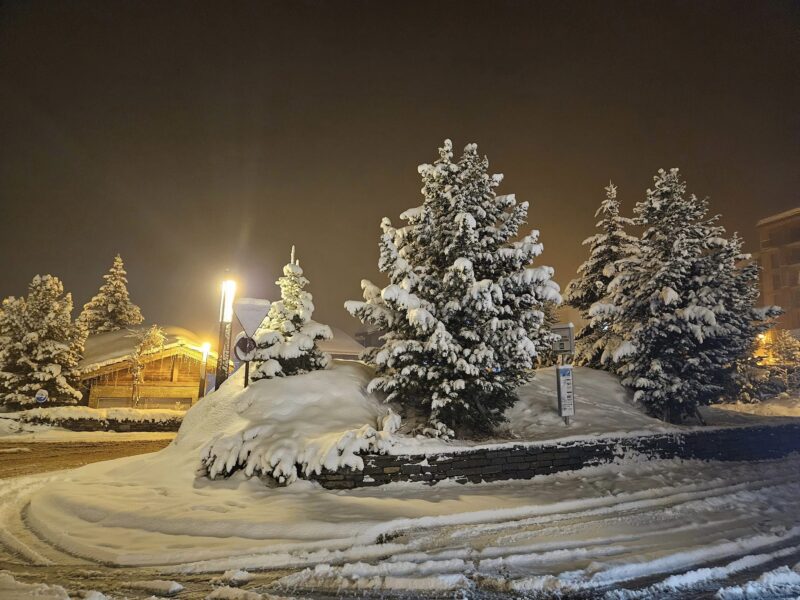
<point>682,301</point>
<point>596,341</point>
<point>300,425</point>
<point>464,306</point>
<point>287,339</point>
<point>40,346</point>
<point>111,309</point>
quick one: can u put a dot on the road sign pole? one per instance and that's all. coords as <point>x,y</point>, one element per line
<point>246,373</point>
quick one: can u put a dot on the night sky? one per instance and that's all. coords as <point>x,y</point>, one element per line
<point>194,137</point>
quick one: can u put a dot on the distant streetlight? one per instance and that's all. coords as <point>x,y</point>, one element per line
<point>225,320</point>
<point>205,349</point>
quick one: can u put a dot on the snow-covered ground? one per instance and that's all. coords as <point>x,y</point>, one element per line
<point>781,406</point>
<point>14,430</point>
<point>645,525</point>
<point>651,526</point>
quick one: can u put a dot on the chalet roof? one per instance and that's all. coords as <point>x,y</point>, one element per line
<point>340,344</point>
<point>779,217</point>
<point>103,349</point>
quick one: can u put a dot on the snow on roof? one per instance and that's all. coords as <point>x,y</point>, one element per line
<point>341,344</point>
<point>103,349</point>
<point>779,217</point>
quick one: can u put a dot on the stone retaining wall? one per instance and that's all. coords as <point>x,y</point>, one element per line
<point>525,461</point>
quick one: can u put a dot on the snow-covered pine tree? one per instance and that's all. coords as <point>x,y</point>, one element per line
<point>47,353</point>
<point>783,348</point>
<point>287,339</point>
<point>732,277</point>
<point>464,308</point>
<point>12,332</point>
<point>111,309</point>
<point>596,341</point>
<point>674,303</point>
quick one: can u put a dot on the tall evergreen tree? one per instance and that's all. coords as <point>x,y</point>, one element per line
<point>45,348</point>
<point>111,309</point>
<point>464,309</point>
<point>287,339</point>
<point>596,341</point>
<point>681,303</point>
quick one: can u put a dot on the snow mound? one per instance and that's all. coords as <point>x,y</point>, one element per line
<point>782,406</point>
<point>58,414</point>
<point>782,582</point>
<point>322,419</point>
<point>11,589</point>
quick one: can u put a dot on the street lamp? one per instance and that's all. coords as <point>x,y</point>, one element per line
<point>225,320</point>
<point>205,349</point>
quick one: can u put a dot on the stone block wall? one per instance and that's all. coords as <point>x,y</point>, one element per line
<point>524,461</point>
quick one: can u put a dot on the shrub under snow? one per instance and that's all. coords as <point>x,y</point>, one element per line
<point>306,423</point>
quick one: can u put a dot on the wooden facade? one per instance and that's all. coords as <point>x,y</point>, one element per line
<point>171,379</point>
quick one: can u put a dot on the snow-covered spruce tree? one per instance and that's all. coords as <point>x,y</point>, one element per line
<point>464,307</point>
<point>111,309</point>
<point>734,278</point>
<point>287,339</point>
<point>12,332</point>
<point>596,341</point>
<point>675,304</point>
<point>47,346</point>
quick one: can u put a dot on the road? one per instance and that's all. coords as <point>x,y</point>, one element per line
<point>28,458</point>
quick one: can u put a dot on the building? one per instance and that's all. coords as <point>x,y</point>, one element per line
<point>341,345</point>
<point>171,377</point>
<point>779,256</point>
<point>370,337</point>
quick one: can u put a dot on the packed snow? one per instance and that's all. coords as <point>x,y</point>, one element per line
<point>660,522</point>
<point>781,406</point>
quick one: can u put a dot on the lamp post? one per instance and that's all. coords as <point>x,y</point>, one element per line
<point>225,320</point>
<point>205,348</point>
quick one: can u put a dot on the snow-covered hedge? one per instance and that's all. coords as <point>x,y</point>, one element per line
<point>60,415</point>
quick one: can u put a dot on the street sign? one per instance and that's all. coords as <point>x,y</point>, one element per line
<point>251,313</point>
<point>245,349</point>
<point>566,343</point>
<point>566,392</point>
<point>41,396</point>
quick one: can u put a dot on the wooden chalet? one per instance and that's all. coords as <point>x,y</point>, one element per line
<point>173,376</point>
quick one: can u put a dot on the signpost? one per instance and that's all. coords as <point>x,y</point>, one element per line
<point>565,347</point>
<point>566,392</point>
<point>245,351</point>
<point>251,312</point>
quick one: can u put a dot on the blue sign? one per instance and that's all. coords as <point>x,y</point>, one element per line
<point>41,396</point>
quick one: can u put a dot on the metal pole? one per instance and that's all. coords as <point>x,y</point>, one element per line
<point>201,391</point>
<point>246,373</point>
<point>223,354</point>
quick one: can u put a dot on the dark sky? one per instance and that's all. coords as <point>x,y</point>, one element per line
<point>193,137</point>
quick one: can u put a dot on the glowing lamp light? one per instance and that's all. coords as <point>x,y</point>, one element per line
<point>226,305</point>
<point>205,349</point>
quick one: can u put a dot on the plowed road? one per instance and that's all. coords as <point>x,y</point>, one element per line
<point>27,458</point>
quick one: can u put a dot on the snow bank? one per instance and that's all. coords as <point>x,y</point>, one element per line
<point>156,586</point>
<point>782,582</point>
<point>11,589</point>
<point>602,408</point>
<point>59,414</point>
<point>781,406</point>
